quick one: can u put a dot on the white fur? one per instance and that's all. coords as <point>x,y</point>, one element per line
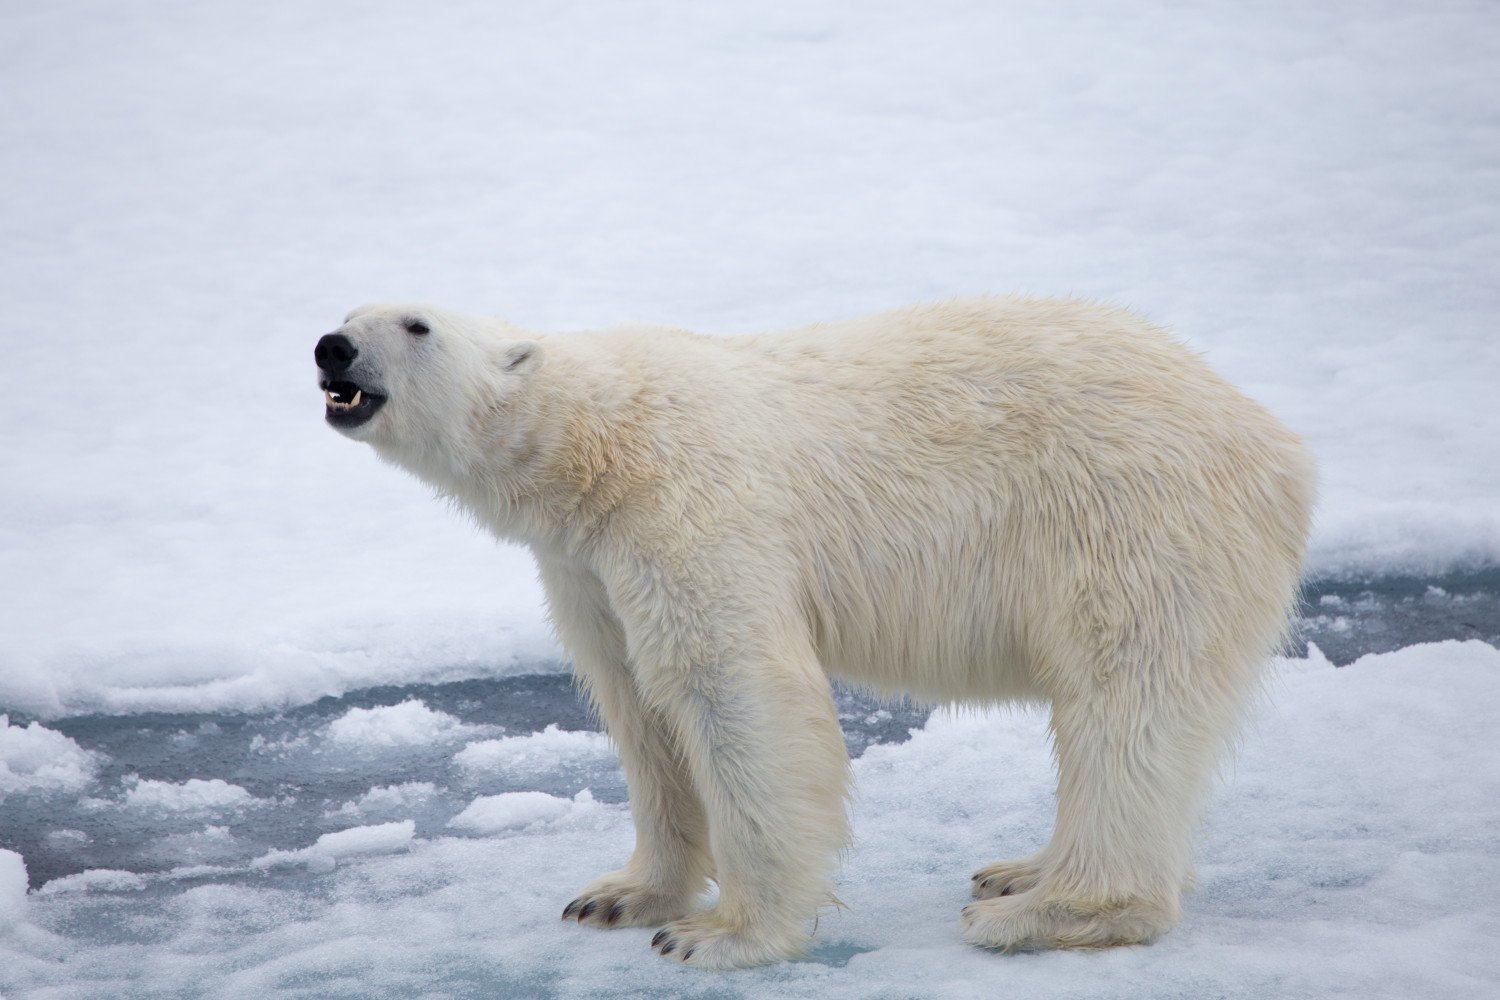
<point>978,501</point>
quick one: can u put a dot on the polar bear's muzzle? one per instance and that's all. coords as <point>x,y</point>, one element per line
<point>348,404</point>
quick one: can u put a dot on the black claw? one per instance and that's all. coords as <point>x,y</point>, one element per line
<point>588,908</point>
<point>614,913</point>
<point>666,949</point>
<point>974,877</point>
<point>687,954</point>
<point>571,909</point>
<point>661,936</point>
<point>984,885</point>
<point>1009,890</point>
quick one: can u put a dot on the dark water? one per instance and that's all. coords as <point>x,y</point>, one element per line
<point>1347,619</point>
<point>303,782</point>
<point>301,778</point>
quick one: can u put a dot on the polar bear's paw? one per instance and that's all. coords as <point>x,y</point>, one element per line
<point>1027,921</point>
<point>1006,878</point>
<point>620,899</point>
<point>708,941</point>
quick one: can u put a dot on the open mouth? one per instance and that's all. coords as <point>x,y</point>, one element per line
<point>348,405</point>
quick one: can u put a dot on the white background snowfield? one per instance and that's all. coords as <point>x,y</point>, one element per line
<point>1306,193</point>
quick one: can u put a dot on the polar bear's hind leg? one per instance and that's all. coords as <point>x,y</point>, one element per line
<point>1136,757</point>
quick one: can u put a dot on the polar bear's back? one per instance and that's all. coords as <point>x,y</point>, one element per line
<point>986,487</point>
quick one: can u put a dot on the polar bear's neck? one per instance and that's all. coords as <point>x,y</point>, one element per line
<point>547,465</point>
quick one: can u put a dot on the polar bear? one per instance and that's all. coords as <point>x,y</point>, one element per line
<point>974,501</point>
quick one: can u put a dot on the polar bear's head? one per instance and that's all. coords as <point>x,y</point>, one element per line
<point>413,380</point>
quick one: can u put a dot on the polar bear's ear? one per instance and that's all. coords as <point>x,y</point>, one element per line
<point>521,357</point>
<point>360,311</point>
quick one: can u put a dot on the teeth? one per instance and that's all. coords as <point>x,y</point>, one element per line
<point>337,400</point>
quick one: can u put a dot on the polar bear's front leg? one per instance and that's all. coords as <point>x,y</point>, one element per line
<point>761,737</point>
<point>671,863</point>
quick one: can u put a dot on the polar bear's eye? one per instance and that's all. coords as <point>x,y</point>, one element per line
<point>417,327</point>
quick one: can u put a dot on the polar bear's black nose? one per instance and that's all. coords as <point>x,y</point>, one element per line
<point>334,353</point>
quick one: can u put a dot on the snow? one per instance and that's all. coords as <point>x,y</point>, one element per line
<point>1304,192</point>
<point>33,757</point>
<point>410,723</point>
<point>535,754</point>
<point>12,889</point>
<point>382,838</point>
<point>491,814</point>
<point>1351,851</point>
<point>190,796</point>
<point>385,799</point>
<point>96,880</point>
<point>331,848</point>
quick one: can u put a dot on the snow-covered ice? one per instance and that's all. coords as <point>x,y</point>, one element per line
<point>95,880</point>
<point>12,889</point>
<point>354,842</point>
<point>193,795</point>
<point>34,757</point>
<point>410,723</point>
<point>535,754</point>
<point>382,838</point>
<point>522,810</point>
<point>387,799</point>
<point>1306,193</point>
<point>1352,852</point>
